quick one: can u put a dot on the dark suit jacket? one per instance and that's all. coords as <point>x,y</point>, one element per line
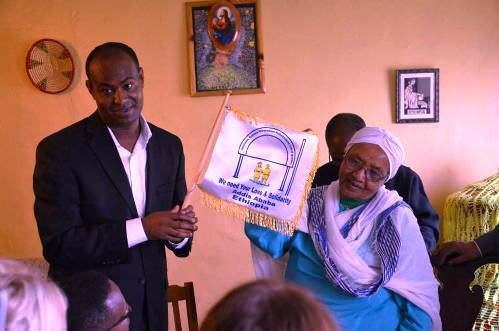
<point>82,199</point>
<point>409,186</point>
<point>489,242</point>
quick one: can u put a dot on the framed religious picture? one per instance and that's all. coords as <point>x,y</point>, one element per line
<point>417,95</point>
<point>225,47</point>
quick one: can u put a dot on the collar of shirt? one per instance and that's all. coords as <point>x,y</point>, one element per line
<point>145,135</point>
<point>134,164</point>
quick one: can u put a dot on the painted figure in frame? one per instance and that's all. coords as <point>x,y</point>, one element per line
<point>223,26</point>
<point>225,47</point>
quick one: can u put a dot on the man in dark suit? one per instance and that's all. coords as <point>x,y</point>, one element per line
<point>108,191</point>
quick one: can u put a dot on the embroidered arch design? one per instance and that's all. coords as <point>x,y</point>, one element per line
<point>287,157</point>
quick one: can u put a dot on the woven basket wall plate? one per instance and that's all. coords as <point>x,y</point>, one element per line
<point>50,66</point>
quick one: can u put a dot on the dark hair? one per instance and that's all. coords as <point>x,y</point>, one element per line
<point>86,293</point>
<point>108,48</point>
<point>348,121</point>
<point>267,305</point>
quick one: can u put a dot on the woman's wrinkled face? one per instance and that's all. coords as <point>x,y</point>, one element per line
<point>363,171</point>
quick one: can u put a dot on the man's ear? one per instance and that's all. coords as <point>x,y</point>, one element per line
<point>141,75</point>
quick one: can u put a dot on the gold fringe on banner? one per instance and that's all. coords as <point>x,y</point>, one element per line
<point>243,117</point>
<point>245,213</point>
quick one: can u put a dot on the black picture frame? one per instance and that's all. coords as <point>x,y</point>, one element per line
<point>417,95</point>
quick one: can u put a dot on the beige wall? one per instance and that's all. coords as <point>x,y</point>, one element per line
<point>321,57</point>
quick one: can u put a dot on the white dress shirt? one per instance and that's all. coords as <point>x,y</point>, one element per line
<point>134,164</point>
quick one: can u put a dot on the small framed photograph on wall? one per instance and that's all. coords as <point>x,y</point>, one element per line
<point>417,95</point>
<point>225,47</point>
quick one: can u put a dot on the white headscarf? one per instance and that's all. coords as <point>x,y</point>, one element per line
<point>390,144</point>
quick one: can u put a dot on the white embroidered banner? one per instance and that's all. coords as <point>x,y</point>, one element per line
<point>260,172</point>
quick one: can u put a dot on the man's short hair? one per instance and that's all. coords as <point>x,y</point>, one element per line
<point>108,48</point>
<point>87,293</point>
<point>345,120</point>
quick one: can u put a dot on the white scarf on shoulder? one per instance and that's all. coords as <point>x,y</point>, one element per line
<point>413,278</point>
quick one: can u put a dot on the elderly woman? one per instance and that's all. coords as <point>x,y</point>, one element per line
<point>358,247</point>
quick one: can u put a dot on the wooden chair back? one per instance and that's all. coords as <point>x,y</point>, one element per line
<point>175,294</point>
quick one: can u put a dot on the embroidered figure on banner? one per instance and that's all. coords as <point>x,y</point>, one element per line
<point>257,173</point>
<point>261,175</point>
<point>266,174</point>
<point>287,157</point>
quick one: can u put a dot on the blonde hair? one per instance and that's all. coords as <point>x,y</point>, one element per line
<point>29,302</point>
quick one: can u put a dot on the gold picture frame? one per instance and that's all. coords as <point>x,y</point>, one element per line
<point>225,47</point>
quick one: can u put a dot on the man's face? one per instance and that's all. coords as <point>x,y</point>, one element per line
<point>119,310</point>
<point>336,143</point>
<point>116,85</point>
<point>363,171</point>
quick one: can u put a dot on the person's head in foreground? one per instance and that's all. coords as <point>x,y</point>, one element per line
<point>339,130</point>
<point>29,302</point>
<point>95,303</point>
<point>267,305</point>
<point>373,156</point>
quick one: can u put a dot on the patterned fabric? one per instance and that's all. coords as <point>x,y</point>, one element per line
<point>345,229</point>
<point>470,214</point>
<point>385,240</point>
<point>359,260</point>
<point>384,310</point>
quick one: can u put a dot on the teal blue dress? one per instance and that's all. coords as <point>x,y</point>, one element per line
<point>383,311</point>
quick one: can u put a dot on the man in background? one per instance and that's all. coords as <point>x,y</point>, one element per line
<point>95,303</point>
<point>406,182</point>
